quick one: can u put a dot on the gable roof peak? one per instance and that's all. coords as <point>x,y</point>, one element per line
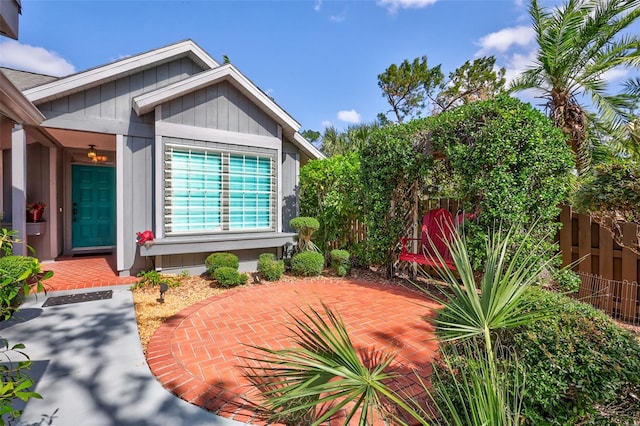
<point>120,68</point>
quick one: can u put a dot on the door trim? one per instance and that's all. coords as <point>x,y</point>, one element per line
<point>67,210</point>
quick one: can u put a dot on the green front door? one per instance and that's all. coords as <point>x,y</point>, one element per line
<point>94,206</point>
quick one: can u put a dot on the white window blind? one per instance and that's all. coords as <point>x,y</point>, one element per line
<point>210,191</point>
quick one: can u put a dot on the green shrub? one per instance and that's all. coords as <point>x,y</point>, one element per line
<point>340,262</point>
<point>331,191</point>
<point>303,223</point>
<point>15,272</point>
<point>573,360</point>
<point>512,166</point>
<point>269,268</point>
<point>567,280</point>
<point>307,263</point>
<point>229,277</point>
<point>305,226</point>
<point>222,259</point>
<point>155,278</point>
<point>16,383</point>
<point>611,189</point>
<point>18,268</point>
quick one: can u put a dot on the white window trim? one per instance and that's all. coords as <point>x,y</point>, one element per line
<point>275,203</point>
<point>164,129</point>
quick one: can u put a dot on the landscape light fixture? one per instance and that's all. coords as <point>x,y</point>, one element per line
<point>163,289</point>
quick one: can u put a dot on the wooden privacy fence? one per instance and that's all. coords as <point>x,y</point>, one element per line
<point>609,272</point>
<point>581,237</point>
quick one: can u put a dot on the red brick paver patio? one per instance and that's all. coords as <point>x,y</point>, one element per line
<point>71,273</point>
<point>197,353</point>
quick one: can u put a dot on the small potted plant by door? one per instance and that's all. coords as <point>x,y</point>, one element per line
<point>35,210</point>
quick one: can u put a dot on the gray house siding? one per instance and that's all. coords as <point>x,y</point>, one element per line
<point>137,206</point>
<point>222,107</point>
<point>290,175</point>
<point>111,102</point>
<point>194,262</point>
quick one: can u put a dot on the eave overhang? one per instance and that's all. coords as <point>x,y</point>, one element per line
<point>15,106</point>
<point>100,75</point>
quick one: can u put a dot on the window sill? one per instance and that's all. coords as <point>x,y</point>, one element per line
<point>214,243</point>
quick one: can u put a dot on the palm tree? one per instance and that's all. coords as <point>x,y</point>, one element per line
<point>353,139</point>
<point>578,43</point>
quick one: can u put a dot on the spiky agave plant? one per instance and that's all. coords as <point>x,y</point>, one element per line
<point>471,386</point>
<point>497,301</point>
<point>322,376</point>
<point>467,390</point>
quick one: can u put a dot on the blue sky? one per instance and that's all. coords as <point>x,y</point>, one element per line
<point>319,59</point>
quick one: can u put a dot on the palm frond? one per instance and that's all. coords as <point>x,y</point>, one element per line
<point>577,44</point>
<point>322,376</point>
<point>497,304</point>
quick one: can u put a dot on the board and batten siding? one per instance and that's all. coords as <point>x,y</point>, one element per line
<point>220,106</point>
<point>290,187</point>
<point>110,103</point>
<point>194,262</point>
<point>137,197</point>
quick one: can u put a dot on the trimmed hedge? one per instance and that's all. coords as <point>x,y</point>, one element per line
<point>222,259</point>
<point>269,268</point>
<point>302,223</point>
<point>229,277</point>
<point>573,361</point>
<point>340,262</point>
<point>307,263</point>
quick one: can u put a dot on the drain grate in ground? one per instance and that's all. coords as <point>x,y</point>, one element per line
<point>78,298</point>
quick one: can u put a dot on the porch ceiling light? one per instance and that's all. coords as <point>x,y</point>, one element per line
<point>92,153</point>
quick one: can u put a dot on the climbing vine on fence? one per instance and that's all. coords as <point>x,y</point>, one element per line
<point>513,167</point>
<point>393,162</point>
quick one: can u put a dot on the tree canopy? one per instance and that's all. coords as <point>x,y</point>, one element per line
<point>407,86</point>
<point>578,43</point>
<point>412,89</point>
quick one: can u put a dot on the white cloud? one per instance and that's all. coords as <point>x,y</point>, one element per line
<point>317,6</point>
<point>326,123</point>
<point>393,5</point>
<point>35,59</point>
<point>351,116</point>
<point>338,18</point>
<point>517,63</point>
<point>502,40</point>
<point>615,74</point>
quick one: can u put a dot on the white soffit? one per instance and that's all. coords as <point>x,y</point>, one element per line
<point>147,102</point>
<point>110,72</point>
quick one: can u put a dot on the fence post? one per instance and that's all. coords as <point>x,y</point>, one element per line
<point>565,235</point>
<point>629,271</point>
<point>605,254</point>
<point>584,243</point>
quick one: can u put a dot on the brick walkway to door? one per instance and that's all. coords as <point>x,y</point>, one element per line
<point>71,273</point>
<point>197,354</point>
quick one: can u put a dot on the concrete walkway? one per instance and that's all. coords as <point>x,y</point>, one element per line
<point>89,367</point>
